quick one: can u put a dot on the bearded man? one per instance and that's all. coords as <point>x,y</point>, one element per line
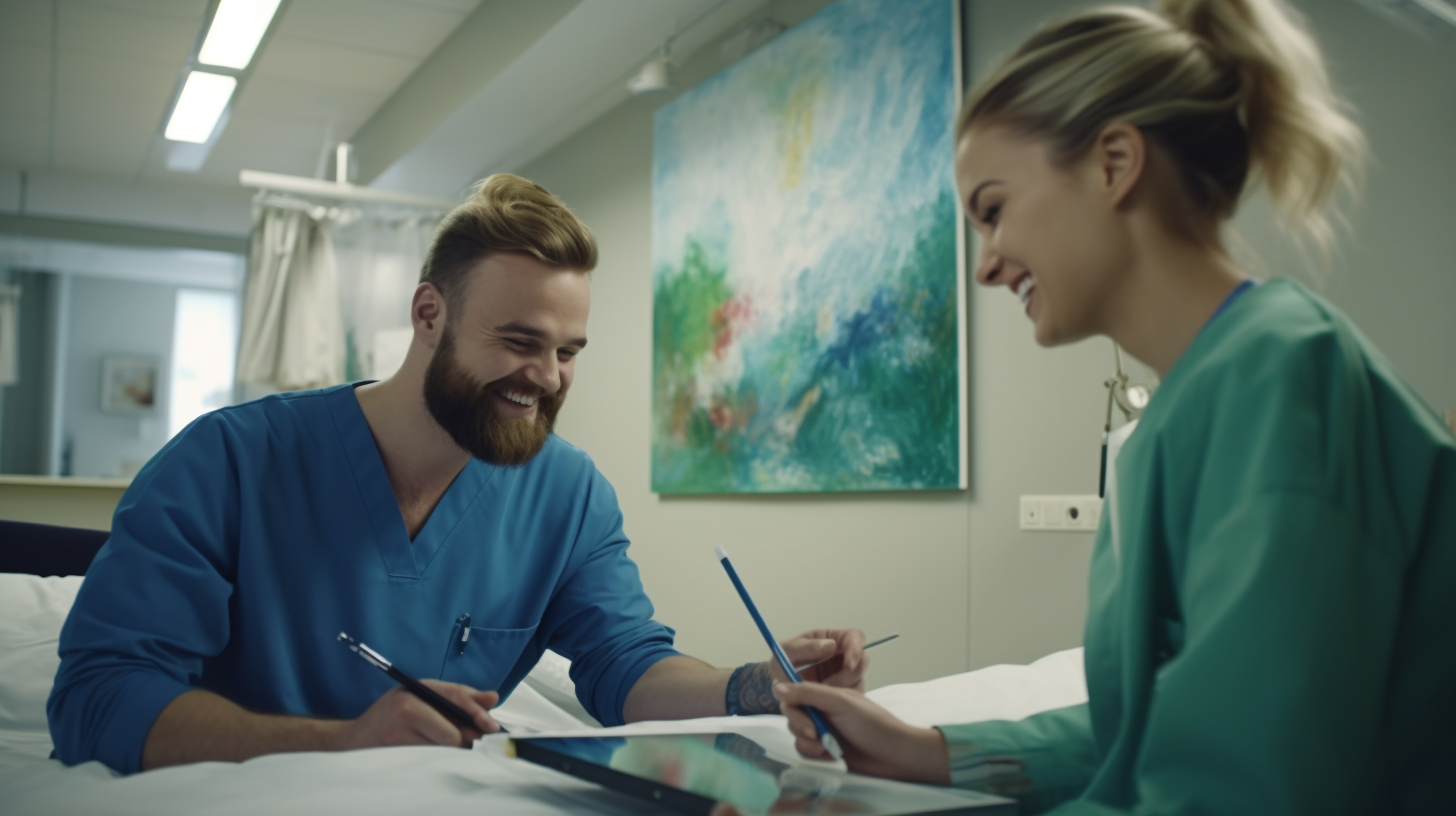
<point>432,515</point>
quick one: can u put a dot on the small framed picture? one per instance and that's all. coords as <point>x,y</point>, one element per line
<point>129,384</point>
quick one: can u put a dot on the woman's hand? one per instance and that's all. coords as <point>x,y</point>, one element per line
<point>874,741</point>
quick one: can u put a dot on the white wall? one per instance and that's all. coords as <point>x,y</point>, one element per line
<point>950,571</point>
<point>1395,272</point>
<point>123,318</point>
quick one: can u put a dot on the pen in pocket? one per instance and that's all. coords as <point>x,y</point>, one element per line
<point>464,621</point>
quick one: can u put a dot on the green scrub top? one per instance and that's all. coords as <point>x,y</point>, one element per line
<point>1272,623</point>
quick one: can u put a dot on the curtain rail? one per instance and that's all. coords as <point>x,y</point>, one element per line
<point>278,182</point>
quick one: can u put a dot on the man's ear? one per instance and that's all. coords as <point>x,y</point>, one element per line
<point>427,313</point>
<point>1120,155</point>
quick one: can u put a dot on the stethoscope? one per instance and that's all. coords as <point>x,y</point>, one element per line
<point>1131,397</point>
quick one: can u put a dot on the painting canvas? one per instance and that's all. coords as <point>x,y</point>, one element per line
<point>129,384</point>
<point>808,301</point>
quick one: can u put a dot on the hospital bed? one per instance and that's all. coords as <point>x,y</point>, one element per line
<point>399,780</point>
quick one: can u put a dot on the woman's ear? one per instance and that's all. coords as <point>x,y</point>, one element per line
<point>427,313</point>
<point>1120,155</point>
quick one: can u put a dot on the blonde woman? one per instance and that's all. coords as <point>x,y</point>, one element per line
<point>1273,592</point>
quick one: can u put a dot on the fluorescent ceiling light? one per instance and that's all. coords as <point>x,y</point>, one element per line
<point>204,97</point>
<point>236,29</point>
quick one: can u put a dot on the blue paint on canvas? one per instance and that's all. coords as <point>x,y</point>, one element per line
<point>806,311</point>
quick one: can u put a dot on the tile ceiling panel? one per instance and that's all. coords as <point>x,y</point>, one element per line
<point>335,66</point>
<point>460,7</point>
<point>25,101</point>
<point>108,111</point>
<point>24,65</point>
<point>189,9</point>
<point>25,21</point>
<point>370,25</point>
<point>288,98</point>
<point>322,74</point>
<point>106,74</point>
<point>271,134</point>
<point>25,141</point>
<point>291,147</point>
<point>115,156</point>
<point>103,30</point>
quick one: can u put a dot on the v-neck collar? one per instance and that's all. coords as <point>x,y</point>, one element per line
<point>402,558</point>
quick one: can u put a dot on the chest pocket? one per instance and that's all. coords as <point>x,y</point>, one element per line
<point>483,659</point>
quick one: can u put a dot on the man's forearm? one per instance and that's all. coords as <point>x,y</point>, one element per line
<point>677,688</point>
<point>200,726</point>
<point>682,687</point>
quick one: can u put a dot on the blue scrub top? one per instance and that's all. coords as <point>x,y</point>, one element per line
<point>263,530</point>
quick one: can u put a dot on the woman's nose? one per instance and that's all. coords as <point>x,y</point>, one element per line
<point>989,268</point>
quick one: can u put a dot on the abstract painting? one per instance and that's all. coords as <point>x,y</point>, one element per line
<point>808,301</point>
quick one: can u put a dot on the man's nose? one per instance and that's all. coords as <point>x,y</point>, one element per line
<point>546,373</point>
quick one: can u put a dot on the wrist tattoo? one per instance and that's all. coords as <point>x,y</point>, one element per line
<point>750,690</point>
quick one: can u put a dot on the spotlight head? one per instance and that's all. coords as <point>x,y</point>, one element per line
<point>655,76</point>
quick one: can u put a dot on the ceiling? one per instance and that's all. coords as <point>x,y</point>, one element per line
<point>88,83</point>
<point>433,92</point>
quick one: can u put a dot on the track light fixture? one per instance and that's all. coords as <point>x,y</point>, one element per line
<point>655,75</point>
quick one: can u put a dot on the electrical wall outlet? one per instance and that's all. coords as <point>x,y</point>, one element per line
<point>1061,514</point>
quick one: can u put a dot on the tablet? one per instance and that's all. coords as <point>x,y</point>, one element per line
<point>692,773</point>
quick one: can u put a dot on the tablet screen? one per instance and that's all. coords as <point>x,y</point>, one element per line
<point>691,773</point>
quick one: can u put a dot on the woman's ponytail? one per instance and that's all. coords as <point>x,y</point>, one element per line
<point>1302,142</point>
<point>1233,89</point>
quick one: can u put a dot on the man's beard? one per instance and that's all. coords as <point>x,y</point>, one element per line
<point>467,411</point>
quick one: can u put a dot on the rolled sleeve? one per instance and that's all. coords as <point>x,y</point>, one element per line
<point>153,607</point>
<point>601,617</point>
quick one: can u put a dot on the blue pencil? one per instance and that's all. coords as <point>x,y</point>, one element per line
<point>825,737</point>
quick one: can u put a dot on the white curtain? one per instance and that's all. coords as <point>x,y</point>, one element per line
<point>327,294</point>
<point>381,251</point>
<point>292,334</point>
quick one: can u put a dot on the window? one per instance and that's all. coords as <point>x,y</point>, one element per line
<point>204,348</point>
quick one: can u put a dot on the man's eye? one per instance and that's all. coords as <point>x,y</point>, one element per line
<point>565,354</point>
<point>520,344</point>
<point>991,213</point>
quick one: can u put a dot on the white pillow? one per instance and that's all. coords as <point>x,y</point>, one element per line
<point>32,610</point>
<point>1005,692</point>
<point>551,677</point>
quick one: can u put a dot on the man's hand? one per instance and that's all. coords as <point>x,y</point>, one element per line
<point>838,654</point>
<point>400,718</point>
<point>679,687</point>
<point>199,726</point>
<point>875,742</point>
<point>834,657</point>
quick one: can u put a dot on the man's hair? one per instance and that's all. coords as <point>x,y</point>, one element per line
<point>506,213</point>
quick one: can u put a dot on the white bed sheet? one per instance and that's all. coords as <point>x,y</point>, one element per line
<point>406,780</point>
